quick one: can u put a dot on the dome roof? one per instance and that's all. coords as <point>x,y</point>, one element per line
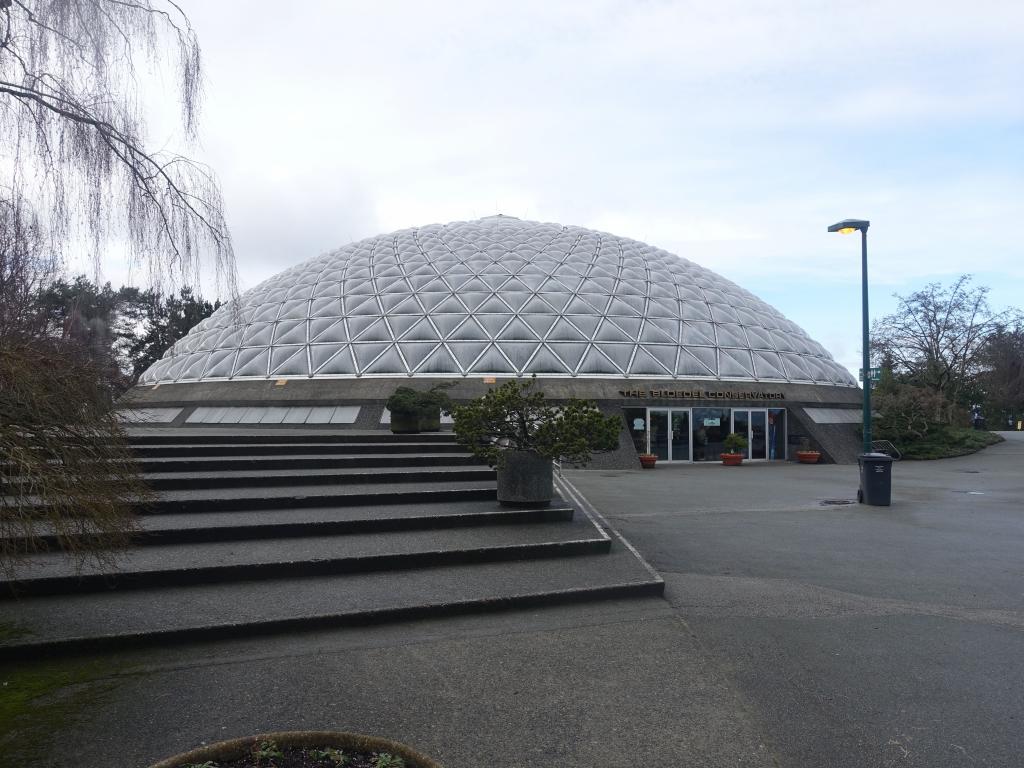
<point>498,296</point>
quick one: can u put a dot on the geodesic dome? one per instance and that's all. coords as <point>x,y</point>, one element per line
<point>498,296</point>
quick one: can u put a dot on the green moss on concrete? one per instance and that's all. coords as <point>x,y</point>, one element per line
<point>41,698</point>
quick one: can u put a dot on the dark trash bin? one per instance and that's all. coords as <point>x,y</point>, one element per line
<point>875,479</point>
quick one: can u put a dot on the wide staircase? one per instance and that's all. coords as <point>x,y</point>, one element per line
<point>274,531</point>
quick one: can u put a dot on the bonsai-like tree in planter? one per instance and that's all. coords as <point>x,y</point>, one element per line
<point>414,410</point>
<point>517,432</point>
<point>734,445</point>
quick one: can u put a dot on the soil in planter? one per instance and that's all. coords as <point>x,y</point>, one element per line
<point>268,755</point>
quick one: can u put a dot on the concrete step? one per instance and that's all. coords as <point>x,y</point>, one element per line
<point>177,565</point>
<point>169,481</point>
<point>305,461</point>
<point>110,621</point>
<point>205,500</point>
<point>173,435</point>
<point>275,448</point>
<point>161,530</point>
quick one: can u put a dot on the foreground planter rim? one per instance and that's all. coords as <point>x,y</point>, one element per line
<point>808,457</point>
<point>732,459</point>
<point>238,748</point>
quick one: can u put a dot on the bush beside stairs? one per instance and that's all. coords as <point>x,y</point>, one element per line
<point>276,531</point>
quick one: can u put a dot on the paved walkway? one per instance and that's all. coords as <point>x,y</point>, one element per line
<point>795,635</point>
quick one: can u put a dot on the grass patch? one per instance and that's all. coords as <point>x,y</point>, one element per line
<point>41,698</point>
<point>943,442</point>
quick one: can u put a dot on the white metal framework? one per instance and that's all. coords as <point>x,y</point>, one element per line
<point>498,296</point>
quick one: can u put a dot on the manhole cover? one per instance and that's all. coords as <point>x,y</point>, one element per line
<point>837,502</point>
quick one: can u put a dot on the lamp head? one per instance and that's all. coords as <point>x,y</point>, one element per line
<point>846,226</point>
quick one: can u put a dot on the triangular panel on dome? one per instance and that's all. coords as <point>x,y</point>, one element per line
<point>469,331</point>
<point>696,333</point>
<point>655,334</point>
<point>492,361</point>
<point>376,331</point>
<point>595,362</point>
<point>694,310</point>
<point>422,331</point>
<point>735,363</point>
<point>783,341</point>
<point>440,361</point>
<point>289,361</point>
<point>387,362</point>
<point>663,308</point>
<point>400,304</point>
<point>415,352</point>
<point>558,301</point>
<point>760,338</point>
<point>708,356</point>
<point>730,335</point>
<point>400,324</point>
<point>627,306</point>
<point>361,305</point>
<point>768,365</point>
<point>219,364</point>
<point>519,352</point>
<point>723,314</point>
<point>258,334</point>
<point>580,306</point>
<point>290,332</point>
<point>229,337</point>
<point>473,299</point>
<point>325,308</point>
<point>466,352</point>
<point>611,332</point>
<point>795,367</point>
<point>540,324</point>
<point>252,362</point>
<point>493,323</point>
<point>545,361</point>
<point>631,325</point>
<point>518,330</point>
<point>570,353</point>
<point>366,353</point>
<point>654,359</point>
<point>431,300</point>
<point>493,305</point>
<point>193,366</point>
<point>445,324</point>
<point>587,324</point>
<point>265,312</point>
<point>687,365</point>
<point>496,281</point>
<point>563,330</point>
<point>327,289</point>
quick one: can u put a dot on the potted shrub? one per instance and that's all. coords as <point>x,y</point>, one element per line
<point>405,408</point>
<point>648,460</point>
<point>433,403</point>
<point>515,431</point>
<point>806,455</point>
<point>734,445</point>
<point>414,410</point>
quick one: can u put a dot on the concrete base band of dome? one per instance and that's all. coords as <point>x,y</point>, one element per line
<point>679,421</point>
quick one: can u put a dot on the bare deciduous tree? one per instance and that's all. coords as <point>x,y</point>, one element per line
<point>75,134</point>
<point>935,337</point>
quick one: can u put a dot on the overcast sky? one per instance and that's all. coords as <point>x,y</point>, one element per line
<point>731,133</point>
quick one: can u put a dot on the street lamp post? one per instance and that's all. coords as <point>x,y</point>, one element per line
<point>846,227</point>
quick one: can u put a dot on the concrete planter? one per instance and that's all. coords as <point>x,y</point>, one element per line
<point>808,457</point>
<point>732,459</point>
<point>431,422</point>
<point>405,423</point>
<point>648,460</point>
<point>524,477</point>
<point>236,749</point>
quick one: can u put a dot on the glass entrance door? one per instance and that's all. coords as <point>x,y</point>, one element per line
<point>670,434</point>
<point>681,435</point>
<point>658,432</point>
<point>753,425</point>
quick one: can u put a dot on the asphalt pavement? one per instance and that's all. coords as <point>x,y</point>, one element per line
<point>856,636</point>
